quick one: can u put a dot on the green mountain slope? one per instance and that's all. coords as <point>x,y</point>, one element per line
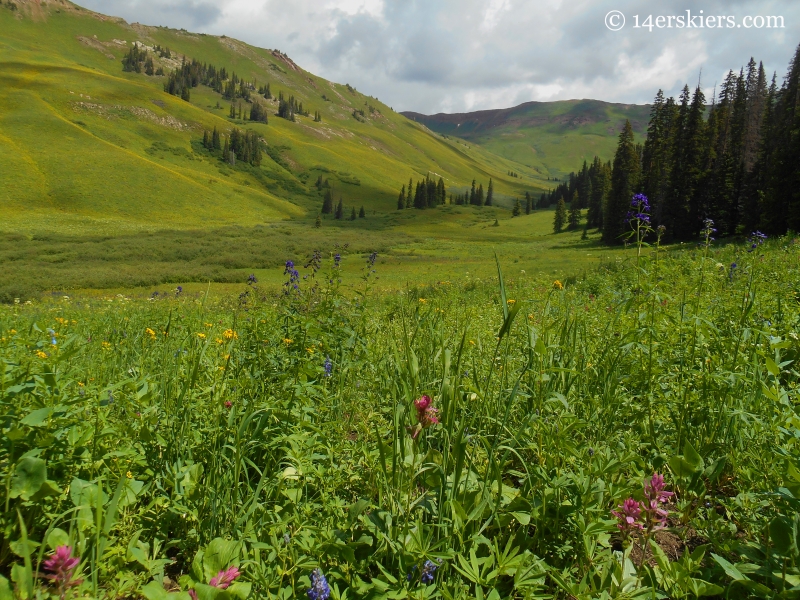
<point>84,145</point>
<point>552,138</point>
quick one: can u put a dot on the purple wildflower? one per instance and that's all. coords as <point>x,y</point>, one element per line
<point>756,239</point>
<point>178,290</point>
<point>628,516</point>
<point>640,210</point>
<point>251,279</point>
<point>328,366</point>
<point>294,276</point>
<point>428,571</point>
<point>656,494</point>
<point>319,590</point>
<point>337,259</point>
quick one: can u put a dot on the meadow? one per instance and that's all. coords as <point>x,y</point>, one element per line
<point>630,432</point>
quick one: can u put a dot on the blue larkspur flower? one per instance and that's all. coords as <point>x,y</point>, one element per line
<point>328,366</point>
<point>428,571</point>
<point>52,335</point>
<point>337,258</point>
<point>319,590</point>
<point>252,279</point>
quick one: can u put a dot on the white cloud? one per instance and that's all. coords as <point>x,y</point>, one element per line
<point>455,55</point>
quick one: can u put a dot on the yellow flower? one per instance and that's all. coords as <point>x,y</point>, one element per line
<point>41,354</point>
<point>151,333</point>
<point>558,285</point>
<point>74,322</point>
<point>202,336</point>
<point>129,475</point>
<point>209,324</point>
<point>472,342</point>
<point>230,334</point>
<point>106,345</point>
<point>511,301</point>
<point>287,341</point>
<point>12,331</point>
<point>226,357</point>
<point>530,317</point>
<point>219,341</point>
<point>80,384</point>
<point>310,350</point>
<point>422,301</point>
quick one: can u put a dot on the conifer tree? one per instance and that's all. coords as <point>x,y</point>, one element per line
<point>410,196</point>
<point>215,141</point>
<point>318,222</point>
<point>206,142</point>
<point>473,193</point>
<point>528,203</point>
<point>624,182</point>
<point>560,217</point>
<point>353,214</point>
<point>401,200</point>
<point>441,192</point>
<point>362,213</point>
<point>574,217</point>
<point>479,196</point>
<point>517,210</point>
<point>490,193</point>
<point>327,203</point>
<point>339,210</point>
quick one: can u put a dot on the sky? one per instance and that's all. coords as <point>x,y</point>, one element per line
<point>465,55</point>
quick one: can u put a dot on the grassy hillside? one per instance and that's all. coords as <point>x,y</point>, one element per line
<point>86,147</point>
<point>549,138</point>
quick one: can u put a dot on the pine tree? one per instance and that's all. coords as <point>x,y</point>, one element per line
<point>624,182</point>
<point>327,203</point>
<point>339,210</point>
<point>401,200</point>
<point>574,218</point>
<point>479,196</point>
<point>410,196</point>
<point>362,214</point>
<point>318,222</point>
<point>528,203</point>
<point>206,142</point>
<point>353,214</point>
<point>560,216</point>
<point>490,193</point>
<point>441,192</point>
<point>517,210</point>
<point>473,193</point>
<point>215,141</point>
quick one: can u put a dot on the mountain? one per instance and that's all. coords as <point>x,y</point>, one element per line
<point>86,146</point>
<point>552,138</point>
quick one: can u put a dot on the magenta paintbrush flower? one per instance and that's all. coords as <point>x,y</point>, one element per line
<point>225,578</point>
<point>62,566</point>
<point>656,493</point>
<point>655,489</point>
<point>427,415</point>
<point>628,515</point>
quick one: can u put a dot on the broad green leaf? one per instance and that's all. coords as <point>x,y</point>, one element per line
<point>5,589</point>
<point>218,556</point>
<point>693,458</point>
<point>782,534</point>
<point>57,537</point>
<point>772,367</point>
<point>37,417</point>
<point>29,476</point>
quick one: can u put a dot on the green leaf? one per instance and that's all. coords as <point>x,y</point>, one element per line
<point>782,534</point>
<point>37,417</point>
<point>772,367</point>
<point>29,476</point>
<point>730,570</point>
<point>693,458</point>
<point>509,320</point>
<point>218,556</point>
<point>5,589</point>
<point>57,537</point>
<point>355,511</point>
<point>154,591</point>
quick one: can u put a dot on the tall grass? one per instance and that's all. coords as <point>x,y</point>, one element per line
<point>167,440</point>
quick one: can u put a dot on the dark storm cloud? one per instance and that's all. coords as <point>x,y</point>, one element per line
<point>454,55</point>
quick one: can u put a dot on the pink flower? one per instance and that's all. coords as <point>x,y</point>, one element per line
<point>628,515</point>
<point>427,415</point>
<point>62,565</point>
<point>228,403</point>
<point>224,578</point>
<point>193,594</point>
<point>655,489</point>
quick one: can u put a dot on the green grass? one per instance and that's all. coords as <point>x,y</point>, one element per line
<point>548,139</point>
<point>165,440</point>
<point>450,242</point>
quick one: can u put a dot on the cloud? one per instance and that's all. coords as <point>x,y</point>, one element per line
<point>456,55</point>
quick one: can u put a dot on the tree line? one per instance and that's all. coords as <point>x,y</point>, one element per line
<point>239,145</point>
<point>735,161</point>
<point>475,195</point>
<point>337,211</point>
<point>427,193</point>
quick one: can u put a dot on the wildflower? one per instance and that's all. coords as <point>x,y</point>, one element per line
<point>218,340</point>
<point>708,230</point>
<point>224,578</point>
<point>628,516</point>
<point>209,325</point>
<point>756,239</point>
<point>62,566</point>
<point>328,365</point>
<point>52,335</point>
<point>129,475</point>
<point>12,331</point>
<point>178,290</point>
<point>557,285</point>
<point>511,302</point>
<point>201,335</point>
<point>41,354</point>
<point>422,301</point>
<point>294,276</point>
<point>428,571</point>
<point>337,259</point>
<point>251,279</point>
<point>150,332</point>
<point>230,334</point>
<point>372,258</point>
<point>427,415</point>
<point>106,345</point>
<point>641,210</point>
<point>655,493</point>
<point>310,350</point>
<point>319,590</point>
<point>287,341</point>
